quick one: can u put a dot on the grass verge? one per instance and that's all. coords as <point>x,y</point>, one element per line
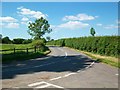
<point>9,58</point>
<point>113,61</point>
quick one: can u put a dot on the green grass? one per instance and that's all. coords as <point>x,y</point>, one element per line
<point>104,60</point>
<point>113,61</point>
<point>20,55</point>
<point>18,46</point>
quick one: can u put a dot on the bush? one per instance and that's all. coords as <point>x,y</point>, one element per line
<point>40,44</point>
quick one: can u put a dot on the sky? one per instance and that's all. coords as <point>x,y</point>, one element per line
<point>67,19</point>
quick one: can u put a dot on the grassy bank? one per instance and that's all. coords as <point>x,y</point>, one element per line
<point>113,61</point>
<point>8,58</point>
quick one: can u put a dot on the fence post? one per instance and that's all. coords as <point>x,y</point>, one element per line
<point>14,50</point>
<point>27,50</point>
<point>35,49</point>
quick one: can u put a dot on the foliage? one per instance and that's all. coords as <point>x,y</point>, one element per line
<point>38,28</point>
<point>37,43</point>
<point>27,41</point>
<point>92,31</point>
<point>0,38</point>
<point>40,44</point>
<point>6,40</point>
<point>18,41</point>
<point>48,38</point>
<point>103,45</point>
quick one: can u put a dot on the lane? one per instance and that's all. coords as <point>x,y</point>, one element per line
<point>62,67</point>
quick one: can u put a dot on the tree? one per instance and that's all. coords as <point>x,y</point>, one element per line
<point>48,38</point>
<point>38,28</point>
<point>6,40</point>
<point>27,41</point>
<point>0,38</point>
<point>92,31</point>
<point>18,41</point>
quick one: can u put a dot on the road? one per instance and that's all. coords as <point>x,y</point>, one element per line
<point>62,68</point>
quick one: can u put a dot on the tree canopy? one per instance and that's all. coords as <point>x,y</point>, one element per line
<point>38,28</point>
<point>92,31</point>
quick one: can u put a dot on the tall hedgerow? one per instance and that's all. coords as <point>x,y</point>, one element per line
<point>104,45</point>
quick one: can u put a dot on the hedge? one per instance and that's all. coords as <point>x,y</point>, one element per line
<point>103,45</point>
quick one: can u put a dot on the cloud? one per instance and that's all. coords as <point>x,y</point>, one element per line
<point>8,19</point>
<point>12,25</point>
<point>24,19</point>
<point>99,24</point>
<point>111,27</point>
<point>26,23</point>
<point>2,24</point>
<point>79,17</point>
<point>71,25</point>
<point>30,13</point>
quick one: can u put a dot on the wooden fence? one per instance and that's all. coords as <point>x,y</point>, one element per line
<point>14,50</point>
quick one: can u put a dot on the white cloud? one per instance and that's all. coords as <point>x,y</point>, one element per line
<point>12,25</point>
<point>99,24</point>
<point>2,24</point>
<point>8,19</point>
<point>111,27</point>
<point>26,23</point>
<point>24,19</point>
<point>79,17</point>
<point>73,25</point>
<point>27,12</point>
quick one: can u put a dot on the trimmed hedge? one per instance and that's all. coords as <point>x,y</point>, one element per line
<point>103,45</point>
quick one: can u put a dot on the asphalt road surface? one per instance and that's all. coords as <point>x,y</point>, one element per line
<point>62,68</point>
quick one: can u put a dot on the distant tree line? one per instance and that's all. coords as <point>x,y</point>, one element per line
<point>6,40</point>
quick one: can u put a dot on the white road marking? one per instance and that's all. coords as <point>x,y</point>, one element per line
<point>55,78</point>
<point>44,86</point>
<point>66,54</point>
<point>92,63</point>
<point>34,84</point>
<point>117,74</point>
<point>56,86</point>
<point>69,74</point>
<point>63,51</point>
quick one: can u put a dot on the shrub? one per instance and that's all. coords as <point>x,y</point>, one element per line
<point>40,45</point>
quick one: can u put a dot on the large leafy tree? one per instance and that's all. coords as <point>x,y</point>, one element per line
<point>6,40</point>
<point>92,31</point>
<point>38,28</point>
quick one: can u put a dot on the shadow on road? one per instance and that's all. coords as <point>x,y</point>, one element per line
<point>47,64</point>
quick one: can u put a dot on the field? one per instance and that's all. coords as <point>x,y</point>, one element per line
<point>21,52</point>
<point>18,46</point>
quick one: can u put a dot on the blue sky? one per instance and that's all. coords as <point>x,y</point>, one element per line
<point>66,19</point>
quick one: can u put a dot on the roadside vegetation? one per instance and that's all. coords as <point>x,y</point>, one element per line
<point>21,52</point>
<point>101,45</point>
<point>24,49</point>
